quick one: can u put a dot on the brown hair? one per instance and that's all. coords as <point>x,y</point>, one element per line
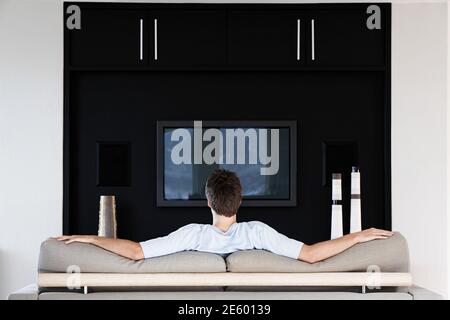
<point>223,191</point>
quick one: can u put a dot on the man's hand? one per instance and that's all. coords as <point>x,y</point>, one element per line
<point>76,238</point>
<point>372,234</point>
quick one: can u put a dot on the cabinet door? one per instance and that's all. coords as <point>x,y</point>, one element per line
<point>341,38</point>
<point>266,38</point>
<point>187,38</point>
<point>108,37</point>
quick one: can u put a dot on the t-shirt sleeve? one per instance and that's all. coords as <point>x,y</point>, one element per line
<point>185,238</point>
<point>271,240</point>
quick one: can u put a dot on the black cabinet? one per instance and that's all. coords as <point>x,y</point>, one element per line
<point>109,37</point>
<point>322,38</point>
<point>341,38</point>
<point>187,38</point>
<point>171,38</point>
<point>266,38</point>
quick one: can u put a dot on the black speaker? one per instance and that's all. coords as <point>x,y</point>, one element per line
<point>113,164</point>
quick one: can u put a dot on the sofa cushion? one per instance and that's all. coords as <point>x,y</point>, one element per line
<point>56,256</point>
<point>389,255</point>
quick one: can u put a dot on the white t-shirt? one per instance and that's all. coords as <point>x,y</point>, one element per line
<point>208,238</point>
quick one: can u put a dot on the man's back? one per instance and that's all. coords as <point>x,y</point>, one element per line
<point>208,238</point>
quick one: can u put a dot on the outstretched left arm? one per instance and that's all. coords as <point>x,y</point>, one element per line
<point>126,248</point>
<point>326,249</point>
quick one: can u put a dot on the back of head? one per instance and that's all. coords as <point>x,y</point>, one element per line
<point>223,191</point>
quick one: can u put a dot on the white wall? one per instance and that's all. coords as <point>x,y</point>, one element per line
<point>419,138</point>
<point>448,149</point>
<point>31,122</point>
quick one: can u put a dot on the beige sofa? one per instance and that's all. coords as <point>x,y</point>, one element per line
<point>373,270</point>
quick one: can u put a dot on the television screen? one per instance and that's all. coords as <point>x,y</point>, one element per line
<point>261,153</point>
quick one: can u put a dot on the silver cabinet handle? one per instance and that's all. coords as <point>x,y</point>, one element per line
<point>156,39</point>
<point>141,39</point>
<point>313,49</point>
<point>298,39</point>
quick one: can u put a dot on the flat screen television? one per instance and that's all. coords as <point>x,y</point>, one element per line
<point>262,153</point>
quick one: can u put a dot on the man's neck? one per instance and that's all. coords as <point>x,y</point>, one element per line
<point>223,223</point>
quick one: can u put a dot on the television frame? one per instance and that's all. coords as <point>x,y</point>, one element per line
<point>292,125</point>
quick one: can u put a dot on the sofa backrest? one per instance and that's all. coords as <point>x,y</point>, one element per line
<point>389,255</point>
<point>55,256</point>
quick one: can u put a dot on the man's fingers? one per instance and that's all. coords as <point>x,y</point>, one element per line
<point>383,232</point>
<point>62,238</point>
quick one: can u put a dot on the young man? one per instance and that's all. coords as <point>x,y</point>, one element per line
<point>225,235</point>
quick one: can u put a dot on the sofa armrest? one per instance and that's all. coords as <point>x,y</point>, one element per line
<point>30,292</point>
<point>419,293</point>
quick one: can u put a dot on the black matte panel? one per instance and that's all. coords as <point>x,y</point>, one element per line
<point>124,106</point>
<point>266,38</point>
<point>338,157</point>
<point>108,38</point>
<point>188,38</point>
<point>113,164</point>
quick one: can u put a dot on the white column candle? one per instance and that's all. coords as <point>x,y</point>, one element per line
<point>336,206</point>
<point>355,202</point>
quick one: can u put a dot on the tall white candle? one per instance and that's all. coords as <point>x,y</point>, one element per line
<point>336,206</point>
<point>336,188</point>
<point>336,221</point>
<point>355,202</point>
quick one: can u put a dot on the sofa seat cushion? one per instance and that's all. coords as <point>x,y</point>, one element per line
<point>225,295</point>
<point>56,256</point>
<point>388,255</point>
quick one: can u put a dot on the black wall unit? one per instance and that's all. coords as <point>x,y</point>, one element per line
<point>224,62</point>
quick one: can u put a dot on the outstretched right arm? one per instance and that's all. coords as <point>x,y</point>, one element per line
<point>326,249</point>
